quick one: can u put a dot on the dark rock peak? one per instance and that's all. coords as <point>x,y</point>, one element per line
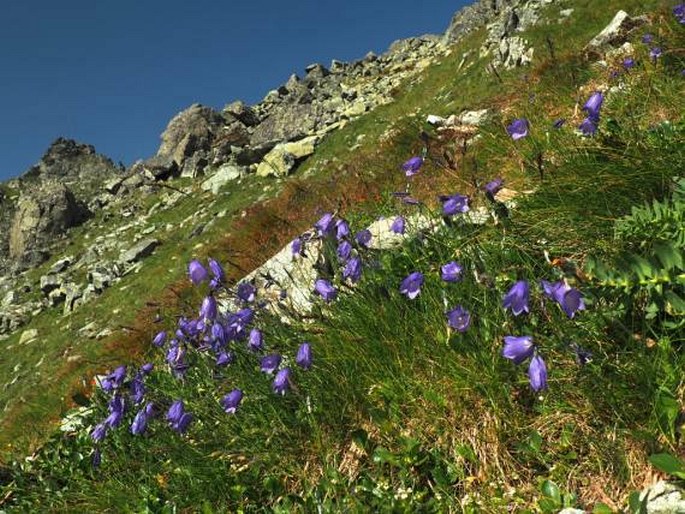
<point>63,148</point>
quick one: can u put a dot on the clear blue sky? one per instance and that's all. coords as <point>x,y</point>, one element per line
<point>112,73</point>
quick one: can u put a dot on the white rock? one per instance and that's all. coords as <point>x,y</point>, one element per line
<point>664,498</point>
<point>225,174</point>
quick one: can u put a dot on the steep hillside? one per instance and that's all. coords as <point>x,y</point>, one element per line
<point>485,317</point>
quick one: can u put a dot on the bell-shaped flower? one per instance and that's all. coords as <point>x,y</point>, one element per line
<point>231,401</point>
<point>583,356</point>
<point>353,270</point>
<point>296,246</point>
<point>99,432</point>
<point>342,229</point>
<point>96,459</point>
<point>344,251</point>
<point>411,285</point>
<point>325,225</point>
<point>326,290</point>
<point>217,270</point>
<point>363,237</point>
<point>588,127</point>
<point>451,272</point>
<point>137,388</point>
<point>412,166</point>
<point>224,359</point>
<point>517,298</point>
<point>518,349</point>
<point>493,187</point>
<point>679,13</point>
<point>281,381</point>
<point>270,363</point>
<point>398,225</point>
<point>197,272</point>
<point>593,105</point>
<point>147,368</point>
<point>208,310</point>
<point>655,53</point>
<point>454,204</point>
<point>459,319</point>
<point>518,128</point>
<point>304,356</point>
<point>246,292</point>
<point>139,422</point>
<point>159,339</point>
<point>116,411</point>
<point>559,123</point>
<point>537,374</point>
<point>628,63</point>
<point>256,340</point>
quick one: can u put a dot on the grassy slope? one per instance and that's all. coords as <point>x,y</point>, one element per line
<point>414,410</point>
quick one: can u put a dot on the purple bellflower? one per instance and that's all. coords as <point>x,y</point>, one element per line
<point>282,381</point>
<point>217,271</point>
<point>99,432</point>
<point>679,13</point>
<point>459,319</point>
<point>568,298</point>
<point>304,356</point>
<point>197,272</point>
<point>208,310</point>
<point>451,272</point>
<point>342,229</point>
<point>518,129</point>
<point>178,418</point>
<point>224,359</point>
<point>398,225</point>
<point>588,127</point>
<point>326,290</point>
<point>147,368</point>
<point>628,63</point>
<point>363,237</point>
<point>655,53</point>
<point>231,401</point>
<point>325,225</point>
<point>139,422</point>
<point>296,246</point>
<point>159,339</point>
<point>517,298</point>
<point>270,363</point>
<point>412,166</point>
<point>96,460</point>
<point>493,187</point>
<point>593,105</point>
<point>537,373</point>
<point>411,285</point>
<point>559,123</point>
<point>518,349</point>
<point>353,270</point>
<point>454,204</point>
<point>246,292</point>
<point>344,251</point>
<point>647,38</point>
<point>256,340</point>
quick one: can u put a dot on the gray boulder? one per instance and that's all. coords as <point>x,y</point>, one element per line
<point>139,251</point>
<point>43,213</point>
<point>189,131</point>
<point>241,112</point>
<point>613,35</point>
<point>287,122</point>
<point>225,174</point>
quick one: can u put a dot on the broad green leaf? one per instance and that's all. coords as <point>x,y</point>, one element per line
<point>668,464</point>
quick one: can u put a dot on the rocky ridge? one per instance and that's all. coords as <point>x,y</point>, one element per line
<point>72,184</point>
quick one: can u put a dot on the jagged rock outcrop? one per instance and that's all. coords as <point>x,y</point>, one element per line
<point>76,165</point>
<point>43,213</point>
<point>613,35</point>
<point>472,17</point>
<point>190,131</point>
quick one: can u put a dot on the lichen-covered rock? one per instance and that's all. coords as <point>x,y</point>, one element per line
<point>43,214</point>
<point>139,251</point>
<point>225,174</point>
<point>191,130</point>
<point>613,35</point>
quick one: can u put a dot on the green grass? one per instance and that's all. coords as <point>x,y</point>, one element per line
<point>399,414</point>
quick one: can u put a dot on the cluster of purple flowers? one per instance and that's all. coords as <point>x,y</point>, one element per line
<point>520,348</point>
<point>122,394</point>
<point>679,13</point>
<point>213,333</point>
